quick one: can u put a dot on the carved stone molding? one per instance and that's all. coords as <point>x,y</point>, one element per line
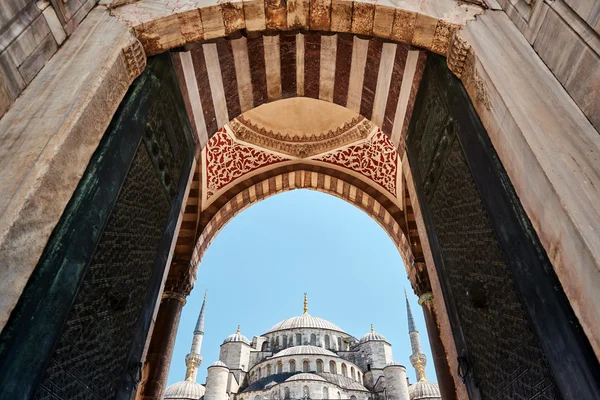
<point>457,55</point>
<point>419,279</point>
<point>461,61</point>
<point>135,58</point>
<point>301,146</point>
<point>181,280</point>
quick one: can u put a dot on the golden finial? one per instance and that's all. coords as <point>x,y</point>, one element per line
<point>238,330</point>
<point>305,304</point>
<point>372,329</point>
<point>421,370</point>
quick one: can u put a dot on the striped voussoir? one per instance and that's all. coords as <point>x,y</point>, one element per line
<point>305,179</point>
<point>226,77</point>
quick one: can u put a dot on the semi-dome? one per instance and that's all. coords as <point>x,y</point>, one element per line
<point>237,337</point>
<point>305,321</point>
<point>185,390</point>
<point>305,350</point>
<point>304,376</point>
<point>424,390</point>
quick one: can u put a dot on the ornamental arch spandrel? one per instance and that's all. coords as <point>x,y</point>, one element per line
<point>375,59</point>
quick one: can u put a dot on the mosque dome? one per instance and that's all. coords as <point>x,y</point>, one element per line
<point>424,390</point>
<point>372,336</point>
<point>218,363</point>
<point>305,377</point>
<point>305,350</point>
<point>185,390</point>
<point>305,321</point>
<point>237,337</point>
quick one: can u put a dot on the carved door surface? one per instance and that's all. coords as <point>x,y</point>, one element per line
<point>515,332</point>
<point>81,324</point>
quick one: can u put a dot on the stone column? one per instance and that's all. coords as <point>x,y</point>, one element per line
<point>160,351</point>
<point>442,368</point>
<point>419,280</point>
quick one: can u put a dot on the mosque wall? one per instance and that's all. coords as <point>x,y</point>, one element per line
<point>316,390</point>
<point>372,354</point>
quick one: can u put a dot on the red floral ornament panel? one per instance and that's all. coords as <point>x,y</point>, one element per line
<point>375,159</point>
<point>227,160</point>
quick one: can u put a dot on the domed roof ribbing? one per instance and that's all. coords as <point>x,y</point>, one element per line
<point>236,337</point>
<point>424,390</point>
<point>305,350</point>
<point>305,377</point>
<point>372,336</point>
<point>218,363</point>
<point>187,390</point>
<point>305,321</point>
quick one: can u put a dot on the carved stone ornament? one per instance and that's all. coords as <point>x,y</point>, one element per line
<point>301,146</point>
<point>457,54</point>
<point>135,58</point>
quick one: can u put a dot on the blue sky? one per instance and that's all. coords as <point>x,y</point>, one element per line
<point>259,266</point>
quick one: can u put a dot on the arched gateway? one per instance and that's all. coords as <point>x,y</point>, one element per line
<point>157,122</point>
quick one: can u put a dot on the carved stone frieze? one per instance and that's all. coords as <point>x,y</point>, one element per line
<point>301,146</point>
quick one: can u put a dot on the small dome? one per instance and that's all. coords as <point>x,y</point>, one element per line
<point>185,390</point>
<point>219,363</point>
<point>237,337</point>
<point>395,364</point>
<point>305,350</point>
<point>424,390</point>
<point>305,321</point>
<point>372,336</point>
<point>305,377</point>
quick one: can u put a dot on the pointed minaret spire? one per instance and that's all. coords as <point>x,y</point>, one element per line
<point>305,303</point>
<point>194,359</point>
<point>411,321</point>
<point>417,358</point>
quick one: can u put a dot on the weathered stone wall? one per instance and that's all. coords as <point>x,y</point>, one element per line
<point>30,33</point>
<point>566,35</point>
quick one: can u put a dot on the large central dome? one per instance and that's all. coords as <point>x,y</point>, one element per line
<point>305,321</point>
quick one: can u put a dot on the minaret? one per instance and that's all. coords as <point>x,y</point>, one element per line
<point>194,359</point>
<point>417,358</point>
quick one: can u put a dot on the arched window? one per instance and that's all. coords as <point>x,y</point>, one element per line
<point>352,373</point>
<point>298,339</point>
<point>265,346</point>
<point>277,342</point>
<point>332,367</point>
<point>359,377</point>
<point>344,370</point>
<point>292,366</point>
<point>325,393</point>
<point>305,393</point>
<point>327,342</point>
<point>339,395</point>
<point>313,339</point>
<point>339,343</point>
<point>286,393</point>
<point>284,341</point>
<point>259,372</point>
<point>279,367</point>
<point>352,397</point>
<point>305,366</point>
<point>268,370</point>
<point>319,365</point>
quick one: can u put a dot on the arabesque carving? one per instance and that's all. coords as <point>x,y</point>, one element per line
<point>227,160</point>
<point>301,146</point>
<point>376,159</point>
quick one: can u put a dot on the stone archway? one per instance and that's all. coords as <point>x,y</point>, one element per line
<point>521,105</point>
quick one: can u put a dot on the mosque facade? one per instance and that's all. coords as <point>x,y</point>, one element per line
<point>305,357</point>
